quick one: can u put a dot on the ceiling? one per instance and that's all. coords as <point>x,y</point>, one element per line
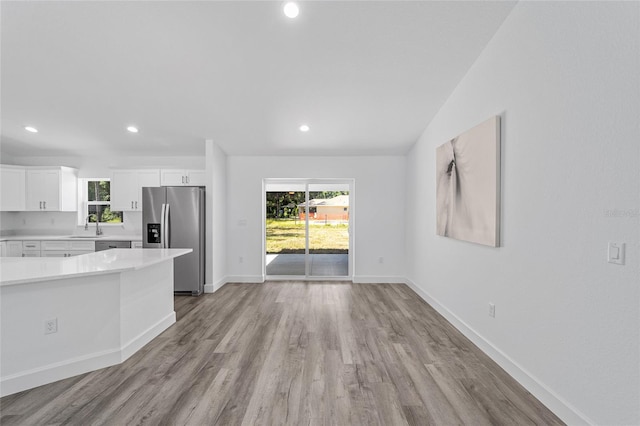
<point>367,77</point>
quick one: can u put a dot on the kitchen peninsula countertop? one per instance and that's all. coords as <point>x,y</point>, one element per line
<point>22,270</point>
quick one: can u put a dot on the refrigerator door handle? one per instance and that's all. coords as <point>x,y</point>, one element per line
<point>166,227</point>
<point>162,225</point>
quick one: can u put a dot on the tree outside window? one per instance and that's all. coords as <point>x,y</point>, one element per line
<point>99,202</point>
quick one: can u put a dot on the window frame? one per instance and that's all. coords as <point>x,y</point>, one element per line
<point>84,203</point>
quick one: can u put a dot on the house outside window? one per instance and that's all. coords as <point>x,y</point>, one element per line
<point>97,195</point>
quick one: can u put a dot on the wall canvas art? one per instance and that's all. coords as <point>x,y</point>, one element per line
<point>468,185</point>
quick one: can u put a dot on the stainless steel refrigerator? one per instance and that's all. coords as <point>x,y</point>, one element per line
<point>174,217</point>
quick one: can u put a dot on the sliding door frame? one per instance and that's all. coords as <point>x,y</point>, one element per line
<point>352,219</point>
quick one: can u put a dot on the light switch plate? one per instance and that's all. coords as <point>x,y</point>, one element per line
<point>616,253</point>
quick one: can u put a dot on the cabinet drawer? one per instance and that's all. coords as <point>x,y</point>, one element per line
<point>31,245</point>
<point>82,245</point>
<point>56,245</point>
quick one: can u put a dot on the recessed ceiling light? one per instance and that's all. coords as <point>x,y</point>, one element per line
<point>304,128</point>
<point>291,9</point>
<point>132,129</point>
<point>31,129</point>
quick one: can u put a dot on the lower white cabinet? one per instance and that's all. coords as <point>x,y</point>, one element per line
<point>64,253</point>
<point>66,248</point>
<point>31,249</point>
<point>14,249</point>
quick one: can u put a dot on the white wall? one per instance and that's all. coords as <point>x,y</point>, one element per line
<point>379,201</point>
<point>216,224</point>
<point>565,77</point>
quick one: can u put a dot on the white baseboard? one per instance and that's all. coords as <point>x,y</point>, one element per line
<point>135,344</point>
<point>258,279</point>
<point>378,279</point>
<point>212,288</point>
<point>82,364</point>
<point>58,371</point>
<point>548,397</point>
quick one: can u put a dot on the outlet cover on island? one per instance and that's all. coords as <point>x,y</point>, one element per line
<point>492,310</point>
<point>615,254</point>
<point>51,326</point>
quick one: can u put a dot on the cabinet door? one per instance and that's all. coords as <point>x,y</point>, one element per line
<point>54,253</point>
<point>31,253</point>
<point>145,178</point>
<point>43,190</point>
<point>55,245</point>
<point>196,177</point>
<point>12,189</point>
<point>85,246</point>
<point>78,252</point>
<point>124,185</point>
<point>14,248</point>
<point>172,177</point>
<point>35,190</point>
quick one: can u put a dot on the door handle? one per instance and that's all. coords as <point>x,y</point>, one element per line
<point>40,205</point>
<point>162,225</point>
<point>45,204</point>
<point>136,205</point>
<point>132,205</point>
<point>167,233</point>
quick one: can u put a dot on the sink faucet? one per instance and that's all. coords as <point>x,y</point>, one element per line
<point>98,229</point>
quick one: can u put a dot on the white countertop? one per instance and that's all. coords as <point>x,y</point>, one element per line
<point>87,237</point>
<point>22,270</point>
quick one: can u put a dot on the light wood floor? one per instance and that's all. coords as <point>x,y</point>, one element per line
<point>293,353</point>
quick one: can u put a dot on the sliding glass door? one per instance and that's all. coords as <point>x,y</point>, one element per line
<point>307,226</point>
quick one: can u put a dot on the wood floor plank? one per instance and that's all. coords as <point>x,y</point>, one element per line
<point>293,353</point>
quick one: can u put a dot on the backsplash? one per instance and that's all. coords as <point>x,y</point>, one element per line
<point>62,223</point>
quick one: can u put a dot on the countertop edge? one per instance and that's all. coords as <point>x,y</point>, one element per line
<point>144,263</point>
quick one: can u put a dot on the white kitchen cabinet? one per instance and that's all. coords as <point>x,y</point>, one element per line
<point>51,189</point>
<point>12,188</point>
<point>66,248</point>
<point>31,249</point>
<point>126,188</point>
<point>182,177</point>
<point>14,248</point>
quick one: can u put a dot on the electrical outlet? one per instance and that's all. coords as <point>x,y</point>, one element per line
<point>241,259</point>
<point>492,310</point>
<point>615,253</point>
<point>51,326</point>
<point>381,260</point>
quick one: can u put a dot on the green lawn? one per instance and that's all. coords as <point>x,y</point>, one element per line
<point>287,236</point>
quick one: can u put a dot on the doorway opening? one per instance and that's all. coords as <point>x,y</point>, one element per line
<point>308,229</point>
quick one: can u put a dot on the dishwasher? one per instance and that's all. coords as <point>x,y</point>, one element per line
<point>106,245</point>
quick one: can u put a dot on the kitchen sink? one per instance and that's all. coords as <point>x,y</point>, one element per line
<point>86,236</point>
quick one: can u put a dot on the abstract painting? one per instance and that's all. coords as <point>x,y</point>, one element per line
<point>468,185</point>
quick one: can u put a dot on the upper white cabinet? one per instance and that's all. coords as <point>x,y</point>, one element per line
<point>126,188</point>
<point>51,189</point>
<point>12,188</point>
<point>182,177</point>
